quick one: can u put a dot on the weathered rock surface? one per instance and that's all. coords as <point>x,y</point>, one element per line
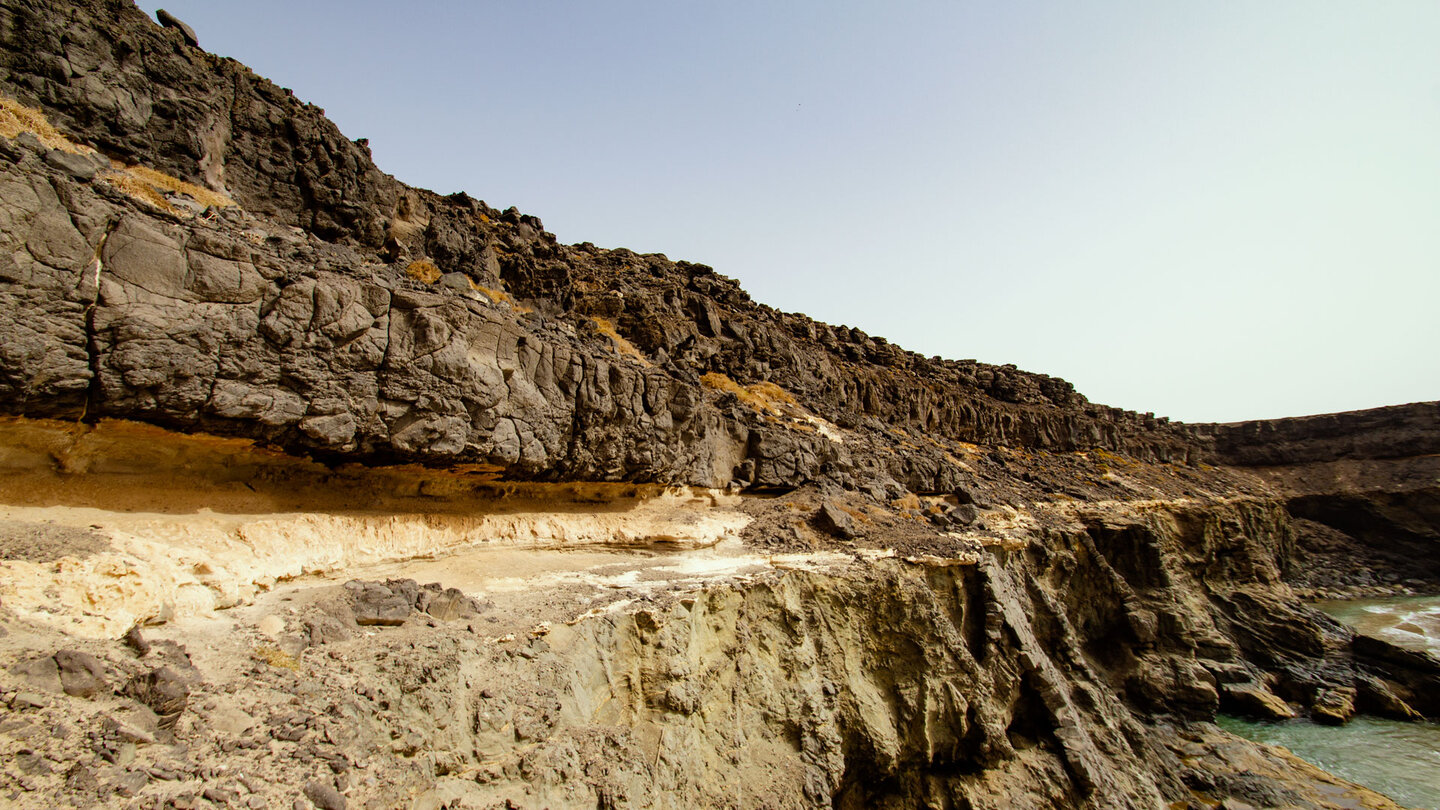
<point>1070,663</point>
<point>169,20</point>
<point>81,674</point>
<point>1255,701</point>
<point>833,519</point>
<point>392,602</point>
<point>164,690</point>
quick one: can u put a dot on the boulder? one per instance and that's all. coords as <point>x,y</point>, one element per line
<point>38,673</point>
<point>1334,706</point>
<point>135,640</point>
<point>452,603</point>
<point>835,521</point>
<point>326,630</point>
<point>376,604</point>
<point>963,515</point>
<point>79,166</point>
<point>170,21</point>
<point>81,674</point>
<point>323,796</point>
<point>164,691</point>
<point>1254,700</point>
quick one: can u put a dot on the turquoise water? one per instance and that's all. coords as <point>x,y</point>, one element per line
<point>1401,760</point>
<point>1412,622</point>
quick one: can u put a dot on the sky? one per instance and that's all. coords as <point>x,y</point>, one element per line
<point>1211,211</point>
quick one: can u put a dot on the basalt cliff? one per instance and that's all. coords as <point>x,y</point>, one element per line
<point>321,490</point>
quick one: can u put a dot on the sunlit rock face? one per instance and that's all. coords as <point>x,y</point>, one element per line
<point>315,487</point>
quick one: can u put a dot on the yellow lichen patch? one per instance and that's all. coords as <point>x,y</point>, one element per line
<point>765,397</point>
<point>424,271</point>
<point>16,118</point>
<point>607,328</point>
<point>276,658</point>
<point>1105,460</point>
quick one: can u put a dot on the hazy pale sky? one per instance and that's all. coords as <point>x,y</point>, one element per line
<point>1213,211</point>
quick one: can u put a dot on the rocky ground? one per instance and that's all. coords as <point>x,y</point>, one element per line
<point>580,692</point>
<point>1002,645</point>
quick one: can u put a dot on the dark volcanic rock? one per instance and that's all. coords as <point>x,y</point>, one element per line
<point>169,20</point>
<point>542,360</point>
<point>377,604</point>
<point>451,604</point>
<point>1393,432</point>
<point>834,520</point>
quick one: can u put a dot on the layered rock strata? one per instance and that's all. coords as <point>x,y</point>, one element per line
<point>1060,654</point>
<point>1363,489</point>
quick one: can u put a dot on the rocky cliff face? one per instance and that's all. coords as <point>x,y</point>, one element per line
<point>333,311</point>
<point>237,353</point>
<point>1363,489</point>
<point>1400,431</point>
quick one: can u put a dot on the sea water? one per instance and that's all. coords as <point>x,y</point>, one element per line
<point>1401,760</point>
<point>1412,622</point>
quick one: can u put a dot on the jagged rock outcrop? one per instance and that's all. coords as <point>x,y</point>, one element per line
<point>1068,664</point>
<point>115,79</point>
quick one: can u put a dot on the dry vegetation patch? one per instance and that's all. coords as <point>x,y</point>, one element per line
<point>154,185</point>
<point>140,183</point>
<point>764,397</point>
<point>423,271</point>
<point>16,118</point>
<point>276,658</point>
<point>151,187</point>
<point>606,327</point>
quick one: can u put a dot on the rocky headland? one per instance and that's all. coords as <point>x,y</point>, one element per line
<point>321,490</point>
